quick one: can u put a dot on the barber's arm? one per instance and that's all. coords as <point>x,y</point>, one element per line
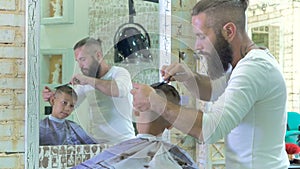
<point>199,85</point>
<point>47,94</point>
<point>185,119</point>
<point>108,87</point>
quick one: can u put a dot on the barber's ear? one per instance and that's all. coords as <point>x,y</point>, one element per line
<point>229,31</point>
<point>99,56</point>
<point>51,100</point>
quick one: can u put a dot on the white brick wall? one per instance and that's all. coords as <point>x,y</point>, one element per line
<point>7,36</point>
<point>12,84</point>
<point>6,99</point>
<point>7,5</point>
<point>12,20</point>
<point>15,161</point>
<point>289,46</point>
<point>20,67</point>
<point>6,66</point>
<point>12,136</point>
<point>12,52</point>
<point>11,114</point>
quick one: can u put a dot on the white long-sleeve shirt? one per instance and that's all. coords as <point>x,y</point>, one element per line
<point>251,115</point>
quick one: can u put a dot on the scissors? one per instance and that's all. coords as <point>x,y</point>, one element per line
<point>162,83</point>
<point>167,80</point>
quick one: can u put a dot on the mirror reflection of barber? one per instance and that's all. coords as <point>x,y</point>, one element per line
<point>107,90</point>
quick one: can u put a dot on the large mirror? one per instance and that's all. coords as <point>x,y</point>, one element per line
<point>54,26</point>
<point>62,23</point>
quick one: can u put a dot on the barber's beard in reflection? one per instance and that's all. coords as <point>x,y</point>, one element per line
<point>219,58</point>
<point>93,70</point>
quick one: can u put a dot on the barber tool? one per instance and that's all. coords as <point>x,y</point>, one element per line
<point>66,84</point>
<point>169,79</point>
<point>77,81</point>
<point>163,82</point>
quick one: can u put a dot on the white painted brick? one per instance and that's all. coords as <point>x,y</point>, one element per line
<point>12,52</point>
<point>21,67</point>
<point>18,130</point>
<point>8,4</point>
<point>6,67</point>
<point>12,83</point>
<point>20,99</point>
<point>7,36</point>
<point>6,99</point>
<point>11,161</point>
<point>6,130</point>
<point>22,5</point>
<point>12,20</point>
<point>12,145</point>
<point>11,136</point>
<point>21,131</point>
<point>20,36</point>
<point>11,114</point>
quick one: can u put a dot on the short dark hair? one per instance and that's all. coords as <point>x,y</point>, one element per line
<point>67,89</point>
<point>204,5</point>
<point>220,12</point>
<point>87,41</point>
<point>169,91</point>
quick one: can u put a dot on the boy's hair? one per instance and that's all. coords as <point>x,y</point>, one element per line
<point>169,91</point>
<point>67,89</point>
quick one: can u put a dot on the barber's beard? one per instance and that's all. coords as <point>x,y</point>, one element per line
<point>217,62</point>
<point>94,70</point>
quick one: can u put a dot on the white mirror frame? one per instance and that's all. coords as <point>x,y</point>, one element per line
<point>32,84</point>
<point>33,73</point>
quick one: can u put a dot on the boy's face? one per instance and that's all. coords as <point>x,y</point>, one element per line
<point>62,105</point>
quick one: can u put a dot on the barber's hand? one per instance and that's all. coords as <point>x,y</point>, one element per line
<point>176,72</point>
<point>47,93</point>
<point>141,97</point>
<point>79,79</point>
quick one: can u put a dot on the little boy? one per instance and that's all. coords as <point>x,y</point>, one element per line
<point>55,129</point>
<point>148,150</point>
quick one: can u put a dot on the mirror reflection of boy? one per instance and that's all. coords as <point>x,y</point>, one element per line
<point>56,129</point>
<point>148,150</point>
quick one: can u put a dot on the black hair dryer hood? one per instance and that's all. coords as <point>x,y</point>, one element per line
<point>131,45</point>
